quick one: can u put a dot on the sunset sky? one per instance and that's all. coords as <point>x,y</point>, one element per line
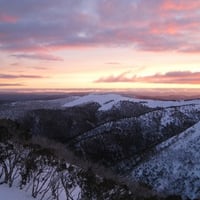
<point>99,44</point>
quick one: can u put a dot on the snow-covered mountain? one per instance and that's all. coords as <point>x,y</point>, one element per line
<point>129,138</point>
<point>107,101</point>
<point>152,141</point>
<point>175,167</point>
<point>163,147</point>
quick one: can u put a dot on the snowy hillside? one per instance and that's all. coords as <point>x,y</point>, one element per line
<point>28,169</point>
<point>175,169</point>
<point>129,138</point>
<point>107,101</point>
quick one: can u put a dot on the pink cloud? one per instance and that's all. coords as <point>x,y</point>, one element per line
<point>180,5</point>
<point>113,63</point>
<point>110,79</point>
<point>145,25</point>
<point>174,77</point>
<point>8,18</point>
<point>165,28</point>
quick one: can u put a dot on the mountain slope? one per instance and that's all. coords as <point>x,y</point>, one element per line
<point>175,169</point>
<point>43,173</point>
<point>129,138</point>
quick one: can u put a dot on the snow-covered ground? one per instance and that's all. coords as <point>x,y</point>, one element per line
<point>13,193</point>
<point>106,101</point>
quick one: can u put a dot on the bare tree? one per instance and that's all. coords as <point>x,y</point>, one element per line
<point>55,186</point>
<point>69,182</point>
<point>10,159</point>
<point>40,180</point>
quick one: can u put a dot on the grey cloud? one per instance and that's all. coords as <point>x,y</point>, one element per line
<point>11,84</point>
<point>10,76</point>
<point>38,57</point>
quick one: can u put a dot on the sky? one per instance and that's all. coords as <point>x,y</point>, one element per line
<point>99,44</point>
